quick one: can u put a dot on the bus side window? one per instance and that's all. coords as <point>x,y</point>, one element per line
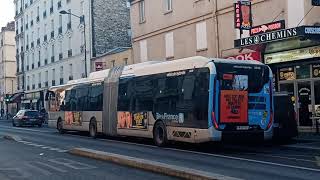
<point>123,96</point>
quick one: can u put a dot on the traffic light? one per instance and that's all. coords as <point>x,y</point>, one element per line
<point>315,2</point>
<point>7,98</point>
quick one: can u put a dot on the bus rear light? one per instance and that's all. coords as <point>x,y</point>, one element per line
<point>214,120</point>
<point>271,121</point>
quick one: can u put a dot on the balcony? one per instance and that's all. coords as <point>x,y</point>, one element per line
<point>70,53</point>
<point>38,41</point>
<point>59,5</point>
<point>70,78</point>
<point>33,86</point>
<point>51,10</point>
<point>45,14</point>
<point>39,64</point>
<point>45,38</point>
<point>39,85</point>
<point>69,25</point>
<point>52,59</point>
<point>31,24</point>
<point>38,18</point>
<point>53,83</point>
<point>52,34</point>
<point>32,66</point>
<point>60,56</point>
<point>60,30</point>
<point>45,61</point>
<point>46,84</point>
<point>61,81</point>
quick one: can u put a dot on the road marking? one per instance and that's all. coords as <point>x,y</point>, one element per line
<point>25,129</point>
<point>38,169</point>
<point>71,164</point>
<point>52,167</point>
<point>278,156</point>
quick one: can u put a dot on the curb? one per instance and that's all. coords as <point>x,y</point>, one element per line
<point>147,165</point>
<point>12,138</point>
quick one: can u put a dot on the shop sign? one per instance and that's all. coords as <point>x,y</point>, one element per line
<point>286,74</point>
<point>311,30</point>
<point>243,15</point>
<point>248,56</point>
<point>273,26</point>
<point>316,70</point>
<point>292,55</point>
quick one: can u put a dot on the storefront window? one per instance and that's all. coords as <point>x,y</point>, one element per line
<point>317,97</point>
<point>316,70</point>
<point>303,71</point>
<point>286,74</point>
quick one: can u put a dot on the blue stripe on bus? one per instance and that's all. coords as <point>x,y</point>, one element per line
<point>211,99</point>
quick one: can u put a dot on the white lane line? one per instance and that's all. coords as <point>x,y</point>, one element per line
<point>45,147</point>
<point>25,129</point>
<point>278,156</point>
<point>51,167</point>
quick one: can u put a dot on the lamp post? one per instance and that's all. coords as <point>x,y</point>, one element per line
<point>85,39</point>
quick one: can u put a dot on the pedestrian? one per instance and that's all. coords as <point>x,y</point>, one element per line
<point>2,112</point>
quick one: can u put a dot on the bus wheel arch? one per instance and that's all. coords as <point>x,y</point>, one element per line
<point>93,127</point>
<point>160,137</point>
<point>60,125</point>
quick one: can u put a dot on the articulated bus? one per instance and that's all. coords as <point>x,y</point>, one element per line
<point>192,100</point>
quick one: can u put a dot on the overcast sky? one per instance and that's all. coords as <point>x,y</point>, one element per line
<point>6,12</point>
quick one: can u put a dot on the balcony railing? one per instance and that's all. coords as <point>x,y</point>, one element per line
<point>70,53</point>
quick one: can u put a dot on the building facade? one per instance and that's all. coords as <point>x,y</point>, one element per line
<point>51,46</point>
<point>173,29</point>
<point>7,67</point>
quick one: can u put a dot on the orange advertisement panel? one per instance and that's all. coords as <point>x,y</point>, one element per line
<point>234,106</point>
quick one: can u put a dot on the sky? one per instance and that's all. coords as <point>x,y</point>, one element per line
<point>6,12</point>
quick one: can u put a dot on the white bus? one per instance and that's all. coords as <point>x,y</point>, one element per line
<point>193,100</point>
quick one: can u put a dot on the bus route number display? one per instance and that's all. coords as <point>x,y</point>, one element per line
<point>234,106</point>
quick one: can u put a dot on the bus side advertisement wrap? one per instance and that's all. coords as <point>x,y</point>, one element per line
<point>73,118</point>
<point>234,106</point>
<point>128,120</point>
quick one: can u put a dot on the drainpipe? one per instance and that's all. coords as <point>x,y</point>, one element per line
<point>216,27</point>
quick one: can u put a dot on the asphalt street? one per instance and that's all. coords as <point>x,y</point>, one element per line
<point>297,160</point>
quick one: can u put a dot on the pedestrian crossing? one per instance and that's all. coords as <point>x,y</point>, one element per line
<point>43,146</point>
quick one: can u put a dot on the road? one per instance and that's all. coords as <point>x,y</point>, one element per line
<point>250,161</point>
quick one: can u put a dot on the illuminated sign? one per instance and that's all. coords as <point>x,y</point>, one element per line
<point>292,55</point>
<point>267,27</point>
<point>312,30</point>
<point>248,56</point>
<point>242,15</point>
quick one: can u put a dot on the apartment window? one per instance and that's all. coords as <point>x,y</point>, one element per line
<point>53,83</point>
<point>51,6</point>
<point>69,47</point>
<point>52,53</point>
<point>201,35</point>
<point>142,17</point>
<point>61,75</point>
<point>143,51</point>
<point>32,65</point>
<point>39,58</point>
<point>69,19</point>
<point>52,28</point>
<point>60,24</point>
<point>45,11</point>
<point>38,12</point>
<point>113,63</point>
<point>70,72</point>
<point>125,61</point>
<point>31,24</point>
<point>39,80</point>
<point>33,81</point>
<point>59,4</point>
<point>68,1</point>
<point>46,74</point>
<point>28,83</point>
<point>169,45</point>
<point>60,51</point>
<point>168,5</point>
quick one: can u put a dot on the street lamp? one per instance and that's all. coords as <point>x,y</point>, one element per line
<point>82,18</point>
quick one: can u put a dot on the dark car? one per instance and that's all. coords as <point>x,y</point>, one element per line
<point>27,117</point>
<point>285,123</point>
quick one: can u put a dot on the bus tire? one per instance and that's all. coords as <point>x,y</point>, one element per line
<point>93,128</point>
<point>60,126</point>
<point>160,134</point>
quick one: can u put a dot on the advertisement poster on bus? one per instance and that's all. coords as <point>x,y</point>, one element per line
<point>73,118</point>
<point>234,102</point>
<point>127,120</point>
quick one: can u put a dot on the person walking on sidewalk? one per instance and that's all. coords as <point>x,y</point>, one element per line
<point>2,113</point>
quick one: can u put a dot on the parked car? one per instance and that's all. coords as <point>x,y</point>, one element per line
<point>27,117</point>
<point>285,123</point>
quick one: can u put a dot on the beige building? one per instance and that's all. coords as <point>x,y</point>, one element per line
<point>117,57</point>
<point>174,29</point>
<point>7,65</point>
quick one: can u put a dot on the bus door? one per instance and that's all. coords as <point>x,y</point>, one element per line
<point>110,98</point>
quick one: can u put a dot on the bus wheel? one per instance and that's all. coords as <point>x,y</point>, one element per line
<point>93,129</point>
<point>60,126</point>
<point>160,134</point>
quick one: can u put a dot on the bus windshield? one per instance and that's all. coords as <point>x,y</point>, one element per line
<point>256,75</point>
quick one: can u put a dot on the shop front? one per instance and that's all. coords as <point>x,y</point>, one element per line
<point>298,72</point>
<point>294,57</point>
